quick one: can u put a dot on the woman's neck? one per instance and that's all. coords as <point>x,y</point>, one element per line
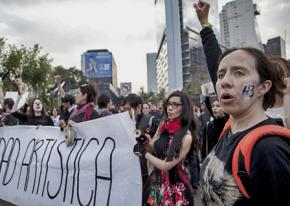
<point>80,105</point>
<point>248,119</point>
<point>37,114</point>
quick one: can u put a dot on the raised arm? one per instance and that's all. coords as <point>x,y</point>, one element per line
<point>207,101</point>
<point>61,92</point>
<point>22,88</point>
<point>211,47</point>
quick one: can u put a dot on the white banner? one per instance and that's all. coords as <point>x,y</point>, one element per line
<point>37,167</point>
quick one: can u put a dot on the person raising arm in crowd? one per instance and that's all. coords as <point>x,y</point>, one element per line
<point>245,89</point>
<point>213,52</point>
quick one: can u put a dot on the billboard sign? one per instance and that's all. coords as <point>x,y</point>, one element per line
<point>126,88</point>
<point>97,64</point>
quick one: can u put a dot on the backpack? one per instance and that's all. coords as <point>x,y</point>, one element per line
<point>241,160</point>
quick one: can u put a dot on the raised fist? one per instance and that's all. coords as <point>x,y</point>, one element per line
<point>202,11</point>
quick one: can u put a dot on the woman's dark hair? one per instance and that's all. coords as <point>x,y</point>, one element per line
<point>57,110</point>
<point>187,123</point>
<point>265,71</point>
<point>282,66</point>
<point>103,100</point>
<point>9,102</point>
<point>134,101</point>
<point>31,111</point>
<point>90,91</point>
<point>68,98</point>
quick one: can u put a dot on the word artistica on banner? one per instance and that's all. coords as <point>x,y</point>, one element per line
<point>39,150</point>
<point>49,172</point>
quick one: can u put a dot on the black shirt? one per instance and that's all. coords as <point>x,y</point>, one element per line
<point>211,134</point>
<point>35,120</point>
<point>269,171</point>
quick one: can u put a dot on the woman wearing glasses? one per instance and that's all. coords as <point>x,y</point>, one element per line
<point>170,153</point>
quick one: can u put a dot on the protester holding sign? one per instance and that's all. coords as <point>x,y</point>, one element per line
<point>36,115</point>
<point>85,99</point>
<point>171,153</point>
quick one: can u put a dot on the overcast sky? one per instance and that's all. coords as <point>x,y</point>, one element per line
<point>67,28</point>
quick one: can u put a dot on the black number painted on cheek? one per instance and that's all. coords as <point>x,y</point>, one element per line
<point>251,94</point>
<point>248,91</point>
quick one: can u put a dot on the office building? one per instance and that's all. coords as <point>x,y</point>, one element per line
<point>180,59</point>
<point>276,46</point>
<point>100,68</point>
<point>151,72</point>
<point>239,26</point>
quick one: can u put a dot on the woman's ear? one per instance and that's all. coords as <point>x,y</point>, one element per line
<point>264,87</point>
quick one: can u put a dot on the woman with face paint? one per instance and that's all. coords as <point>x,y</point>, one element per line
<point>246,84</point>
<point>35,115</point>
<point>281,67</point>
<point>171,153</point>
<point>245,87</point>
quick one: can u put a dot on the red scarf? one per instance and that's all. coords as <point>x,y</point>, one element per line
<point>171,127</point>
<point>87,109</point>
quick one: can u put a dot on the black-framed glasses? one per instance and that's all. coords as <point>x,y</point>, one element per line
<point>174,105</point>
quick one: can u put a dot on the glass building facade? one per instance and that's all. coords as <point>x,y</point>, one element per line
<point>193,68</point>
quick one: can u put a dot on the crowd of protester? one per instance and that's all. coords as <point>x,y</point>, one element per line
<point>184,147</point>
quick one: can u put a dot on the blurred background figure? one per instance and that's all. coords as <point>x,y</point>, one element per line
<point>55,116</point>
<point>104,105</point>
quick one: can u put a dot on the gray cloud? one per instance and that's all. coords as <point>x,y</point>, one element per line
<point>274,20</point>
<point>52,36</point>
<point>146,36</point>
<point>34,2</point>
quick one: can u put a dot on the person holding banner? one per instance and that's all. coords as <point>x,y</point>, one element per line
<point>170,153</point>
<point>36,114</point>
<point>85,99</point>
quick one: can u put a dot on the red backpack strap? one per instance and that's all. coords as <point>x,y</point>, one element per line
<point>226,128</point>
<point>245,148</point>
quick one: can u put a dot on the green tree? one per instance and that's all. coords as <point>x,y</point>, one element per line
<point>72,76</point>
<point>31,66</point>
<point>148,97</point>
<point>162,93</point>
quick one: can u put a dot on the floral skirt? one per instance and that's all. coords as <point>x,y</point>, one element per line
<point>163,193</point>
